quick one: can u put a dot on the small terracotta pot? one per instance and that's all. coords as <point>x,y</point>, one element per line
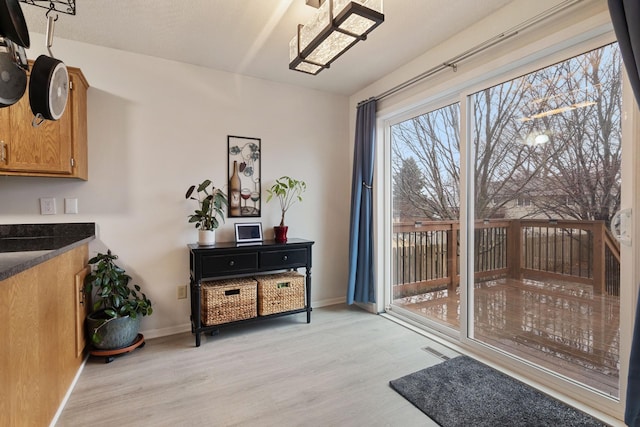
<point>281,233</point>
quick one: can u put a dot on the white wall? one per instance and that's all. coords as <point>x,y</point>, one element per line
<point>155,128</point>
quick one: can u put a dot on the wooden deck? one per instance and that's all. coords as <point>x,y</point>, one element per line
<point>563,326</point>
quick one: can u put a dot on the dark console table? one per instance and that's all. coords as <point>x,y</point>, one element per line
<point>229,259</point>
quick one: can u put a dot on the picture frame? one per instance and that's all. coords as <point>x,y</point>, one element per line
<point>248,232</point>
<point>244,176</point>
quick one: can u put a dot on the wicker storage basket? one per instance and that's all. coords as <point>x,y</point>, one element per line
<point>280,292</point>
<point>228,300</point>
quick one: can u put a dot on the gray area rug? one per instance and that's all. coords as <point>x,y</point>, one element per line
<point>464,392</point>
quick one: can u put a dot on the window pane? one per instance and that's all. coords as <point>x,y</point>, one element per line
<point>426,204</point>
<point>547,181</point>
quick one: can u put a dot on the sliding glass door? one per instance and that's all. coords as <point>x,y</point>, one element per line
<point>547,181</point>
<point>542,280</point>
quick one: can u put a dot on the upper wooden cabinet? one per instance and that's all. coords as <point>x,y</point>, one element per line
<point>53,149</point>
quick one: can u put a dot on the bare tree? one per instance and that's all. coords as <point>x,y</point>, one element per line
<point>552,136</point>
<point>588,169</point>
<point>432,140</point>
<point>505,162</point>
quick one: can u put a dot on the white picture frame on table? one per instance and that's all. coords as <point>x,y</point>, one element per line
<point>247,232</point>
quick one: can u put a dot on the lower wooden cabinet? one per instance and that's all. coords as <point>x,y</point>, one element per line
<point>39,356</point>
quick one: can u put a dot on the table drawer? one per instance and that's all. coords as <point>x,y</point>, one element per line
<point>218,265</point>
<point>283,259</point>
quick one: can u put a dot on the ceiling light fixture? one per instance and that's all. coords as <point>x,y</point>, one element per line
<point>560,110</point>
<point>536,138</point>
<point>335,27</point>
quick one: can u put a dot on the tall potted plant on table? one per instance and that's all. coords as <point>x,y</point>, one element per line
<point>288,191</point>
<point>117,308</point>
<point>210,207</point>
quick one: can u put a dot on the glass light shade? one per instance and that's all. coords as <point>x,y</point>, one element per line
<point>331,32</point>
<point>541,139</point>
<point>306,67</point>
<point>353,22</point>
<point>299,64</point>
<point>320,22</point>
<point>331,47</point>
<point>356,24</point>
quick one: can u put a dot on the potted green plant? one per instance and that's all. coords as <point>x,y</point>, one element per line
<point>210,207</point>
<point>288,191</point>
<point>117,307</point>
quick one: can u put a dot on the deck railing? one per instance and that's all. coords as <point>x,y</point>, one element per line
<point>426,255</point>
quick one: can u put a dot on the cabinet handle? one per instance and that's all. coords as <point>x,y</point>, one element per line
<point>284,257</point>
<point>3,152</point>
<point>232,263</point>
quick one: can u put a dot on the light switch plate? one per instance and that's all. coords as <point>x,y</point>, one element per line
<point>47,206</point>
<point>71,206</point>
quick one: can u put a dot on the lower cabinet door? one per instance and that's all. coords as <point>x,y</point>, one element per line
<point>82,309</point>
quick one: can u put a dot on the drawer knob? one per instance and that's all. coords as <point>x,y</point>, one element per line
<point>284,257</point>
<point>231,263</point>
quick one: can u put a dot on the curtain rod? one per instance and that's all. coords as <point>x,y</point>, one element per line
<point>453,62</point>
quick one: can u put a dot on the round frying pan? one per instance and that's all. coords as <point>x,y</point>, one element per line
<point>13,78</point>
<point>48,88</point>
<point>48,84</point>
<point>12,23</point>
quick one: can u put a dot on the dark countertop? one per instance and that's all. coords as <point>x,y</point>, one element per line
<point>23,246</point>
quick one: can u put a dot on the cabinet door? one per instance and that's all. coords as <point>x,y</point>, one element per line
<point>24,148</point>
<point>82,309</point>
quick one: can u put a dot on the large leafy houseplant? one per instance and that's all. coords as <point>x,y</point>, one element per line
<point>210,205</point>
<point>288,191</point>
<point>112,296</point>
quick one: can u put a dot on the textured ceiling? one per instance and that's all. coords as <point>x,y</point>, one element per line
<point>251,37</point>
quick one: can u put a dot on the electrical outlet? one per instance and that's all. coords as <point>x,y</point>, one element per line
<point>47,206</point>
<point>182,292</point>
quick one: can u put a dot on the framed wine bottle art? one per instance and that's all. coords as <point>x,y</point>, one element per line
<point>244,176</point>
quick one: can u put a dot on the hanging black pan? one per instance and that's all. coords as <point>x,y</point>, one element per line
<point>12,23</point>
<point>48,84</point>
<point>48,88</point>
<point>13,77</point>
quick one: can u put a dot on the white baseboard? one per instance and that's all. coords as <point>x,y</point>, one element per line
<point>163,332</point>
<point>368,306</point>
<point>330,301</point>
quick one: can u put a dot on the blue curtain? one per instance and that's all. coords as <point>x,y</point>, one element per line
<point>361,287</point>
<point>625,15</point>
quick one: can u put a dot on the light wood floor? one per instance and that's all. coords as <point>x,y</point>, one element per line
<point>334,371</point>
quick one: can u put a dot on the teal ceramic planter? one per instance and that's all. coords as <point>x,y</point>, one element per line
<point>113,334</point>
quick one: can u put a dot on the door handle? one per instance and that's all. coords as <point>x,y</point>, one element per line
<point>621,226</point>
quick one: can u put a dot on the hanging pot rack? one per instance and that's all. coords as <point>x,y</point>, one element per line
<point>61,6</point>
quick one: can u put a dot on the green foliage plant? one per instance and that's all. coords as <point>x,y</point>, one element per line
<point>288,191</point>
<point>210,205</point>
<point>112,295</point>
